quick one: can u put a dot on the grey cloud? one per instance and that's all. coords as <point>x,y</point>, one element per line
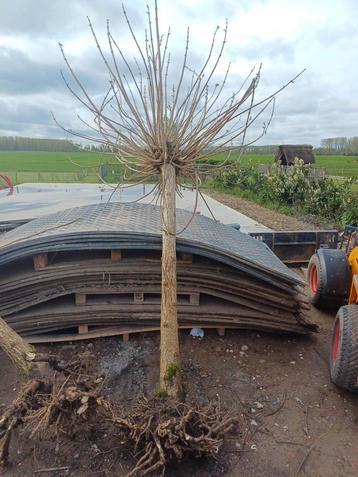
<point>20,75</point>
<point>258,50</point>
<point>218,10</point>
<point>322,102</point>
<point>59,18</point>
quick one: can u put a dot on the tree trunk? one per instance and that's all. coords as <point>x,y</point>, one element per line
<point>170,368</point>
<point>19,352</point>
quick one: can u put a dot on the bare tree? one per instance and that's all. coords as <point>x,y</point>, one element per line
<point>160,129</point>
<point>20,353</point>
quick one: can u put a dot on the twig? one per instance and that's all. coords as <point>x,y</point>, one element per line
<point>52,469</point>
<point>275,411</point>
<point>308,453</point>
<point>304,460</point>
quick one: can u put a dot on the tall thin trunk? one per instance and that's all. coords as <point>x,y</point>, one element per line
<point>19,352</point>
<point>170,368</point>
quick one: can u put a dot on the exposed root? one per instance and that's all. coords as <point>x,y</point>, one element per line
<point>160,431</point>
<point>69,402</point>
<point>163,432</point>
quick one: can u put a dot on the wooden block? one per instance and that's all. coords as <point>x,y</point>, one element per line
<point>220,331</point>
<point>116,255</point>
<point>40,261</point>
<point>138,297</point>
<point>125,337</point>
<point>194,298</point>
<point>80,299</point>
<point>82,329</point>
<point>185,257</point>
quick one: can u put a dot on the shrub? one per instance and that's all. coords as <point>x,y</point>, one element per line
<point>293,186</point>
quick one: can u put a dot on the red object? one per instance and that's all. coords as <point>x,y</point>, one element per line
<point>313,279</point>
<point>8,184</point>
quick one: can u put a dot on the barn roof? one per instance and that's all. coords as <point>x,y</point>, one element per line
<point>286,153</point>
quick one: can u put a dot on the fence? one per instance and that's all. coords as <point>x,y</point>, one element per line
<point>33,176</point>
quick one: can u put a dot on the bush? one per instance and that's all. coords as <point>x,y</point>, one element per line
<point>288,185</point>
<point>293,186</point>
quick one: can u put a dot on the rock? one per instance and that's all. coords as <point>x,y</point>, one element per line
<point>244,348</point>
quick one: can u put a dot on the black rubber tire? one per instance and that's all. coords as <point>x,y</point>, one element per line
<point>333,278</point>
<point>344,349</point>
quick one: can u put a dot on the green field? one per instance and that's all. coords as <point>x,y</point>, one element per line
<point>334,165</point>
<point>50,161</point>
<point>23,166</point>
<point>83,166</point>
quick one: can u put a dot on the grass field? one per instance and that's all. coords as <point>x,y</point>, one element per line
<point>334,165</point>
<point>23,166</point>
<point>83,166</point>
<point>50,161</point>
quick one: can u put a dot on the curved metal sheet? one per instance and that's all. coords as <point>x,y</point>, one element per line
<point>108,225</point>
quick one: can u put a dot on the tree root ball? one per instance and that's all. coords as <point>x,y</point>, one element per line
<point>163,432</point>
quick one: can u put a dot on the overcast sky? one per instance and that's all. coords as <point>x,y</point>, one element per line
<point>284,35</point>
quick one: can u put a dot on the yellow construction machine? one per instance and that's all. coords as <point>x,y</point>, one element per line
<point>333,282</point>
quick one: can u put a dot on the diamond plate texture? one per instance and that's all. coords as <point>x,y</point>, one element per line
<point>140,222</point>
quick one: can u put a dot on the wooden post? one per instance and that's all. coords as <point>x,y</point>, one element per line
<point>170,367</point>
<point>40,261</point>
<point>20,352</point>
<point>82,329</point>
<point>116,255</point>
<point>138,297</point>
<point>80,299</point>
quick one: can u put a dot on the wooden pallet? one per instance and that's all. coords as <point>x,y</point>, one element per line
<point>86,332</point>
<point>148,298</point>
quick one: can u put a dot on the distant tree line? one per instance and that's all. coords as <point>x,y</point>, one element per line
<point>335,145</point>
<point>340,145</point>
<point>95,148</point>
<point>329,146</point>
<point>13,143</point>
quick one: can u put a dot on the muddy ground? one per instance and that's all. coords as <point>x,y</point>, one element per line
<point>293,420</point>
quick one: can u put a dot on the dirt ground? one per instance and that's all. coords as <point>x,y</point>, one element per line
<point>293,420</point>
<point>267,217</point>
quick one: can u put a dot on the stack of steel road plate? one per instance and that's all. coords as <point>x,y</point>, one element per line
<point>95,271</point>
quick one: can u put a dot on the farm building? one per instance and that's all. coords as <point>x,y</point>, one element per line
<point>286,154</point>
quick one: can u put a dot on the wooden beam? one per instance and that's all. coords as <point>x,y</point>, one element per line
<point>80,299</point>
<point>40,261</point>
<point>194,298</point>
<point>125,337</point>
<point>184,257</point>
<point>82,329</point>
<point>221,331</point>
<point>116,255</point>
<point>138,297</point>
